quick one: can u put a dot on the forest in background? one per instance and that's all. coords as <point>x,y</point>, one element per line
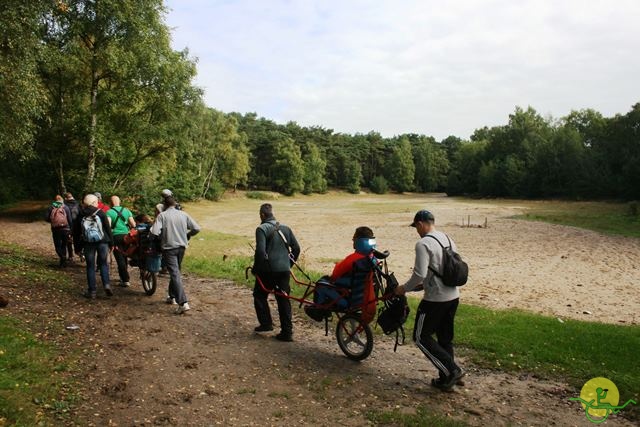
<point>93,98</point>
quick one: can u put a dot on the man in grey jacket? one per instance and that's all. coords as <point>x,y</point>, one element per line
<point>276,247</point>
<point>175,228</point>
<point>437,309</point>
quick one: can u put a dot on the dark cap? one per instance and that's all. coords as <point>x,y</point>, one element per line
<point>423,216</point>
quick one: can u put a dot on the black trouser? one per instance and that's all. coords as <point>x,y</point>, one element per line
<point>121,258</point>
<point>60,236</point>
<point>438,318</point>
<point>279,280</point>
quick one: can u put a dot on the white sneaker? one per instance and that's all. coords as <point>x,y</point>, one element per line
<point>183,308</point>
<point>124,284</point>
<point>170,300</point>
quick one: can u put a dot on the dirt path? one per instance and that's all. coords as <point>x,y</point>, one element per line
<point>145,366</point>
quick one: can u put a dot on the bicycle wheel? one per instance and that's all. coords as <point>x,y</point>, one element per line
<point>354,337</point>
<point>149,281</point>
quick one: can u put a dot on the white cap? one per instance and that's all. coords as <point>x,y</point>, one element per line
<point>166,193</point>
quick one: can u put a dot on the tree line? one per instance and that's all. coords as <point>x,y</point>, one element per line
<point>93,97</point>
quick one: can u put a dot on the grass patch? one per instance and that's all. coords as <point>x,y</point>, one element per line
<point>210,254</point>
<point>19,265</point>
<point>608,218</point>
<point>32,391</point>
<point>422,417</point>
<point>514,340</point>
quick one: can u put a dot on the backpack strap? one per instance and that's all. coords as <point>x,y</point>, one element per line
<point>118,216</point>
<point>442,246</point>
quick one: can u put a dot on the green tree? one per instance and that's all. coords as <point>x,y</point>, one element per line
<point>353,176</point>
<point>401,169</point>
<point>431,165</point>
<point>287,167</point>
<point>314,171</point>
<point>22,95</point>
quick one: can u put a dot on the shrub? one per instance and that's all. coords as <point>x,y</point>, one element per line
<point>379,185</point>
<point>261,195</point>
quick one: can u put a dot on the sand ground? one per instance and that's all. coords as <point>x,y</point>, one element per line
<point>545,268</point>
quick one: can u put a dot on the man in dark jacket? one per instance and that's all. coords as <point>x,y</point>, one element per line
<point>95,240</point>
<point>74,207</point>
<point>60,218</point>
<point>276,248</point>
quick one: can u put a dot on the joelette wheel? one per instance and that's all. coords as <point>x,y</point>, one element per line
<point>355,338</point>
<point>149,281</point>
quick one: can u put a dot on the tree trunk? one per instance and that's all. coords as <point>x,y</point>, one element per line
<point>207,182</point>
<point>60,172</point>
<point>91,149</point>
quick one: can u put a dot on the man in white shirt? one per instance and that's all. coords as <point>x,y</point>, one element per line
<point>437,309</point>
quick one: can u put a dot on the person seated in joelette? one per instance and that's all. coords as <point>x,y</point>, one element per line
<point>355,272</point>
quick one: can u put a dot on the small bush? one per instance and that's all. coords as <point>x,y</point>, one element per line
<point>261,195</point>
<point>379,185</point>
<point>634,209</point>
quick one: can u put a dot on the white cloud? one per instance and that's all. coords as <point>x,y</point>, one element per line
<point>411,66</point>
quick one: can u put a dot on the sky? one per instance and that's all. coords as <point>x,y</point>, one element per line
<point>430,67</point>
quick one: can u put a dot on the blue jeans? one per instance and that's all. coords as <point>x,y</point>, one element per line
<point>173,261</point>
<point>90,251</point>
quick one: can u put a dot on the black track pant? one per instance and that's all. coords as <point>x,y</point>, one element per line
<point>437,318</point>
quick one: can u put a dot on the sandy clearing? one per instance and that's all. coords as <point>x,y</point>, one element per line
<point>545,268</point>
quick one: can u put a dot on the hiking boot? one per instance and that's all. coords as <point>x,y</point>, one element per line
<point>124,284</point>
<point>170,300</point>
<point>89,295</point>
<point>183,308</point>
<point>282,336</point>
<point>108,290</point>
<point>448,383</point>
<point>263,328</point>
<point>63,263</point>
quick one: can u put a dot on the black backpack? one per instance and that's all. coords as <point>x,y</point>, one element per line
<point>455,271</point>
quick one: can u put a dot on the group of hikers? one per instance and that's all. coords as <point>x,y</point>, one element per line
<point>93,230</point>
<point>276,250</point>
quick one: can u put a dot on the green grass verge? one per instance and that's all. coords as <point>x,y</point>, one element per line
<point>608,218</point>
<point>21,265</point>
<point>32,386</point>
<point>514,340</point>
<point>421,418</point>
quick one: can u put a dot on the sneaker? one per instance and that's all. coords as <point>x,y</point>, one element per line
<point>124,284</point>
<point>89,295</point>
<point>263,328</point>
<point>108,290</point>
<point>183,308</point>
<point>448,383</point>
<point>284,337</point>
<point>170,300</point>
<point>82,259</point>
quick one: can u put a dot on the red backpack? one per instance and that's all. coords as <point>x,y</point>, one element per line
<point>58,218</point>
